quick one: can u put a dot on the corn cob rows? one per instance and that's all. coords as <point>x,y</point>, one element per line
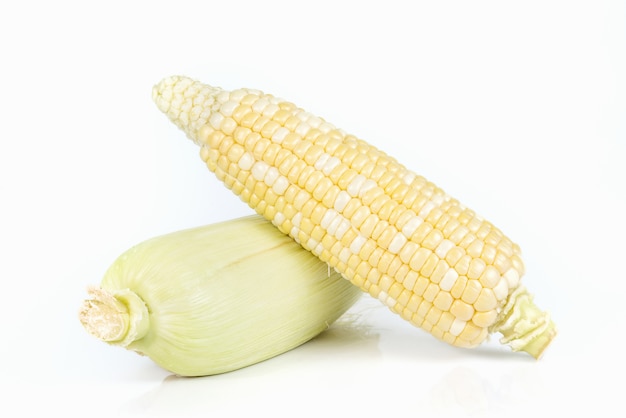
<point>388,230</point>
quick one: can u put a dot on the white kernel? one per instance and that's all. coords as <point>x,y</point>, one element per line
<point>328,218</point>
<point>280,185</point>
<point>342,228</point>
<point>357,244</point>
<point>410,227</point>
<point>355,185</point>
<point>259,105</point>
<point>279,218</point>
<point>223,96</point>
<point>294,232</point>
<point>457,327</point>
<point>303,115</point>
<point>279,135</point>
<point>237,95</point>
<point>344,255</point>
<point>367,186</point>
<point>443,248</point>
<point>314,121</point>
<point>409,177</point>
<point>334,224</point>
<point>438,199</point>
<point>318,249</point>
<point>302,129</point>
<point>321,161</point>
<point>227,108</point>
<point>386,299</point>
<point>397,242</point>
<point>501,290</point>
<point>330,165</point>
<point>512,277</point>
<point>246,161</point>
<point>271,176</point>
<point>259,169</point>
<point>311,243</point>
<point>297,218</point>
<point>326,127</point>
<point>430,205</point>
<point>216,120</point>
<point>448,280</point>
<point>341,201</point>
<point>270,109</point>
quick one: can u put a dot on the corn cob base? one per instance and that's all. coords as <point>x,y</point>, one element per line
<point>388,230</point>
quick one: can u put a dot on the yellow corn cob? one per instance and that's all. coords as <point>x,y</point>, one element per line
<point>389,231</point>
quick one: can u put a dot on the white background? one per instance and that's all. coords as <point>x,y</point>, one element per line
<point>517,109</point>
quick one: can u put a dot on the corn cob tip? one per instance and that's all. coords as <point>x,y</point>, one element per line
<point>116,318</point>
<point>524,327</point>
<point>186,102</point>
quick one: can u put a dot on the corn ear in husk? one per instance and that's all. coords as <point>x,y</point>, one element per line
<point>216,298</point>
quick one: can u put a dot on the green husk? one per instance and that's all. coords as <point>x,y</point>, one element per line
<point>217,298</point>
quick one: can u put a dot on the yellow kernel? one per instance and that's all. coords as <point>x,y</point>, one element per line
<point>443,301</point>
<point>407,251</point>
<point>486,300</point>
<point>485,319</point>
<point>433,239</point>
<point>374,258</point>
<point>445,322</point>
<point>458,234</point>
<point>313,154</point>
<point>518,264</point>
<point>413,303</point>
<point>429,266</point>
<point>286,165</point>
<point>454,255</point>
<point>368,225</point>
<point>488,254</point>
<point>475,248</point>
<point>386,235</point>
<point>470,333</point>
<point>373,276</point>
<point>363,268</point>
<point>441,268</point>
<point>387,209</point>
<point>313,180</point>
<point>434,315</point>
<point>330,196</point>
<point>384,262</point>
<point>462,266</point>
<point>420,285</point>
<point>358,217</point>
<point>346,178</point>
<point>351,207</point>
<point>301,149</point>
<point>419,258</point>
<point>502,262</point>
<point>459,287</point>
<point>281,116</point>
<point>421,232</point>
<point>472,291</point>
<point>410,279</point>
<point>476,268</point>
<point>461,310</point>
<point>489,278</point>
<point>367,249</point>
<point>321,187</point>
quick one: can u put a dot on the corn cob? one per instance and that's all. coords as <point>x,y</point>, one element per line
<point>389,231</point>
<point>213,299</point>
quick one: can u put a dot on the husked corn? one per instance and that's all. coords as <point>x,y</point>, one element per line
<point>388,230</point>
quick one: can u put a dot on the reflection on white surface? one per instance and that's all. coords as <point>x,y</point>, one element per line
<point>357,367</point>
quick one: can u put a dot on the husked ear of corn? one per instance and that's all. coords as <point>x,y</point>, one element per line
<point>388,230</point>
<point>216,298</point>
